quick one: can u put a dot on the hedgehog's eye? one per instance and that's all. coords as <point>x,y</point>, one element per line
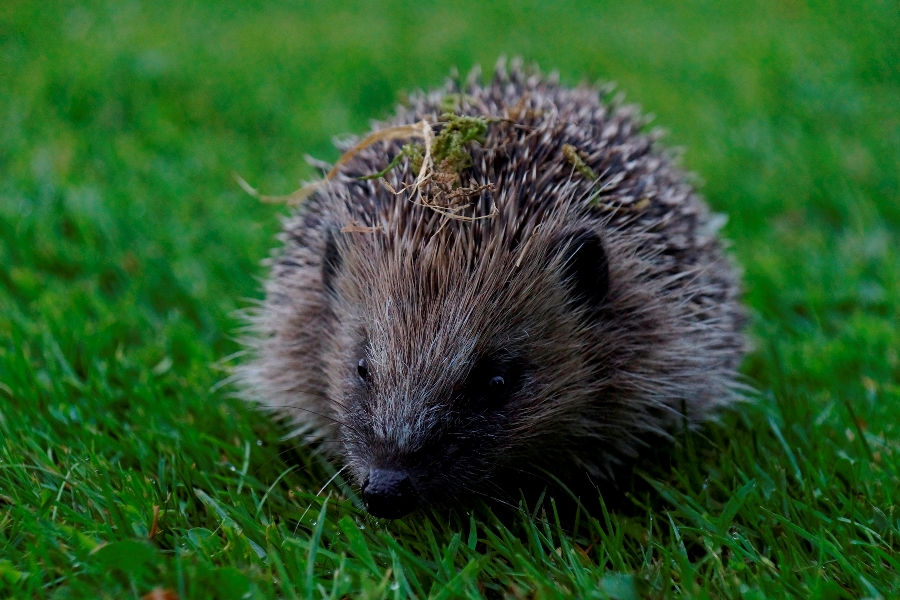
<point>496,386</point>
<point>362,369</point>
<point>491,382</point>
<point>493,390</point>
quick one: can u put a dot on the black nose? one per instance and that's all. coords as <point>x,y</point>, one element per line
<point>388,494</point>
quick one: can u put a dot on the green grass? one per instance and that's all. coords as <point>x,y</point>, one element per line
<point>126,247</point>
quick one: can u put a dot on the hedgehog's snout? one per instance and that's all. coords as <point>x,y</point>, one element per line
<point>389,493</point>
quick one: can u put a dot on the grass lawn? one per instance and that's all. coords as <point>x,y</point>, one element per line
<point>126,248</point>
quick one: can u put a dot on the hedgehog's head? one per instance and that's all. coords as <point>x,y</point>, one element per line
<point>459,357</point>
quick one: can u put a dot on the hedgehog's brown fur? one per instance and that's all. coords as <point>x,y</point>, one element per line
<point>424,298</point>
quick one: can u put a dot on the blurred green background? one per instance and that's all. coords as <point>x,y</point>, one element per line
<point>126,246</point>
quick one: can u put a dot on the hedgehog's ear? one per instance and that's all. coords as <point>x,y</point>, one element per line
<point>331,261</point>
<point>586,267</point>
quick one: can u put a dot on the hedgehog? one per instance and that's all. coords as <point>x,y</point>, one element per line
<point>505,277</point>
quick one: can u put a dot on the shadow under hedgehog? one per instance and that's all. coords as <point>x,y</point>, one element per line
<point>548,293</point>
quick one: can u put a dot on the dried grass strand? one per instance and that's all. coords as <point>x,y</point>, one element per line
<point>421,129</point>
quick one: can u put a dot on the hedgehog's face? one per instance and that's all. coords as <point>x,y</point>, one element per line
<point>444,372</point>
<point>427,441</point>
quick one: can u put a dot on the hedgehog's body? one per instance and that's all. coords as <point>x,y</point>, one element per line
<point>573,320</point>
